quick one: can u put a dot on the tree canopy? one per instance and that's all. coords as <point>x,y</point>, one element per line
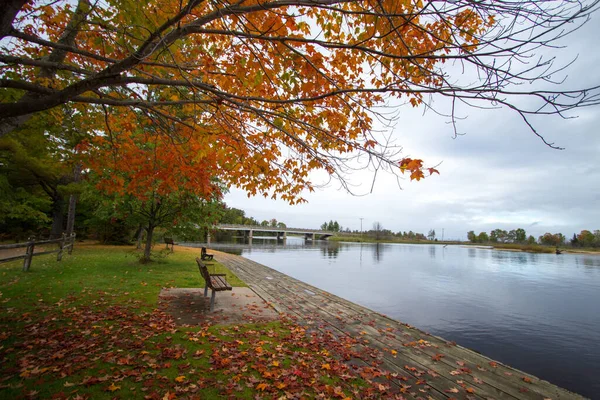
<point>273,89</point>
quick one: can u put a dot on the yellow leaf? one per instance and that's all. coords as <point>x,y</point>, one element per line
<point>180,378</point>
<point>113,387</point>
<point>326,366</point>
<point>275,363</point>
<point>261,386</point>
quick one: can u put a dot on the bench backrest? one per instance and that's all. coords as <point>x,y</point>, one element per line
<point>204,272</point>
<point>203,251</point>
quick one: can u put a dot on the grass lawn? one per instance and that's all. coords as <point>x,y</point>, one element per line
<point>91,327</point>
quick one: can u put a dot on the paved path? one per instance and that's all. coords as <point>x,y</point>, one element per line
<point>426,366</point>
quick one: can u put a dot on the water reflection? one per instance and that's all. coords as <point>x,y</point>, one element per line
<point>378,252</point>
<point>472,252</point>
<point>536,312</point>
<point>331,251</point>
<point>432,250</point>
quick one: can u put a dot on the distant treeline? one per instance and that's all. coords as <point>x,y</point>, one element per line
<point>378,232</point>
<point>584,239</point>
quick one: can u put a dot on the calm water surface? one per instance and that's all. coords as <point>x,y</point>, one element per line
<point>537,312</point>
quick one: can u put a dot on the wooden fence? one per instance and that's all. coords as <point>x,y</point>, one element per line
<point>64,243</point>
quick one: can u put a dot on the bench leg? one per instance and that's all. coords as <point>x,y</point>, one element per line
<point>205,290</point>
<point>212,300</point>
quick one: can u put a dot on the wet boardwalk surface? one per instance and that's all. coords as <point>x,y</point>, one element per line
<point>424,366</point>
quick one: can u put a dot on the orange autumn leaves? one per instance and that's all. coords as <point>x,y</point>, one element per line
<point>142,163</point>
<point>260,99</point>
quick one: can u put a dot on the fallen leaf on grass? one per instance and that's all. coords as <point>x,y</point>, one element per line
<point>113,387</point>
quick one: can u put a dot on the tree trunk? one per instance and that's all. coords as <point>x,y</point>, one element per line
<point>71,214</point>
<point>58,215</point>
<point>148,248</point>
<point>73,201</point>
<point>138,235</point>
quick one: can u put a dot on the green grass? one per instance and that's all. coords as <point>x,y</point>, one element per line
<point>113,269</point>
<point>92,326</point>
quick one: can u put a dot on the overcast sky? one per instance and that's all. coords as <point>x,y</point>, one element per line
<point>498,175</point>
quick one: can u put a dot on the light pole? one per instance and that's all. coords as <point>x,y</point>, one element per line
<point>361,226</point>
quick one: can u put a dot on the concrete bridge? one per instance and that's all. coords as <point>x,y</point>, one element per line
<point>249,230</point>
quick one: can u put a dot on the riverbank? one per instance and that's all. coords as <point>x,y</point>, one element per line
<point>529,248</point>
<point>413,358</point>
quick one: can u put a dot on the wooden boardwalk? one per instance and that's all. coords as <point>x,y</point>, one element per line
<point>434,368</point>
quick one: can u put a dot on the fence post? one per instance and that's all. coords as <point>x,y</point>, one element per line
<point>72,243</point>
<point>61,246</point>
<point>29,254</point>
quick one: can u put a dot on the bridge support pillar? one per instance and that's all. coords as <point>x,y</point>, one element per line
<point>314,236</point>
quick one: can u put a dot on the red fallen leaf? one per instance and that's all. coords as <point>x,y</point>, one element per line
<point>169,396</point>
<point>470,390</point>
<point>455,372</point>
<point>437,357</point>
<point>461,363</point>
<point>493,364</point>
<point>527,380</point>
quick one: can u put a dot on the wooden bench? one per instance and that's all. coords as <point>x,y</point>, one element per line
<point>169,241</point>
<point>216,282</point>
<point>204,256</point>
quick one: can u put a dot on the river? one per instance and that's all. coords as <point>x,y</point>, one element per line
<point>536,312</point>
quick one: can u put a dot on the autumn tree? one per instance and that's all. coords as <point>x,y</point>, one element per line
<point>550,239</point>
<point>586,238</point>
<point>377,230</point>
<point>282,87</point>
<point>483,237</point>
<point>472,237</point>
<point>158,182</point>
<point>520,235</point>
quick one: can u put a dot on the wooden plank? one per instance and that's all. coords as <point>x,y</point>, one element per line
<point>13,246</point>
<point>7,259</point>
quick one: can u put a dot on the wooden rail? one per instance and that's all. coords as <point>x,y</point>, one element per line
<point>63,243</point>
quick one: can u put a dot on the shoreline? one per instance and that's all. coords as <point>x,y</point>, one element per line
<point>539,249</point>
<point>402,349</point>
